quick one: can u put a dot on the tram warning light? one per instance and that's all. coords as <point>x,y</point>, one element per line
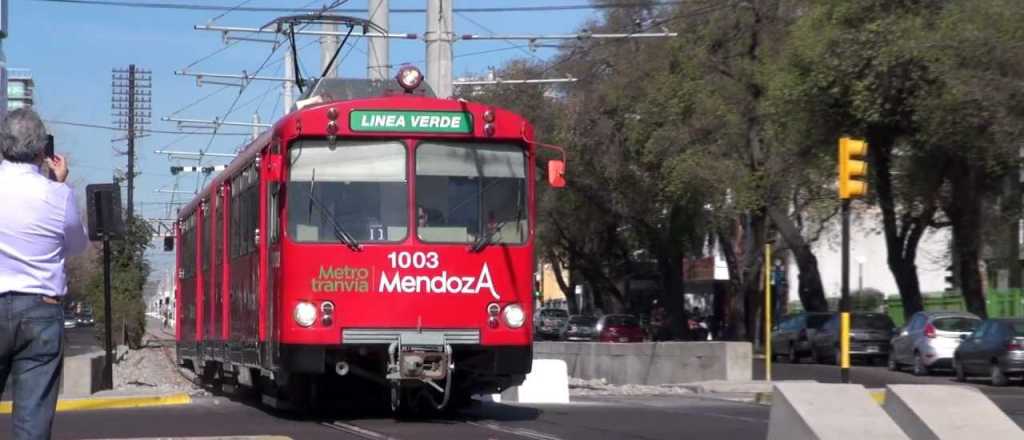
<point>409,77</point>
<point>852,169</point>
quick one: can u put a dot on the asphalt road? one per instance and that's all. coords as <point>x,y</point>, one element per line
<point>80,340</point>
<point>592,419</point>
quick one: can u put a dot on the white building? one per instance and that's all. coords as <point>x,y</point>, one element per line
<point>868,257</point>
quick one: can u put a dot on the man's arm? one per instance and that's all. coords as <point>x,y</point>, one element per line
<point>75,239</point>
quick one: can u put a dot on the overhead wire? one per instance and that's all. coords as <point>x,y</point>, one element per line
<point>499,9</point>
<point>245,86</point>
<point>655,23</point>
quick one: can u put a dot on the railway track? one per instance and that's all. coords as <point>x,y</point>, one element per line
<point>420,428</point>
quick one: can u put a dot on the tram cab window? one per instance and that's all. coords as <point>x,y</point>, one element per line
<point>361,185</point>
<point>464,190</point>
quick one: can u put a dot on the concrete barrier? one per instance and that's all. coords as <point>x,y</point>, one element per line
<point>947,412</point>
<point>806,411</point>
<point>548,382</point>
<point>651,363</point>
<point>82,375</point>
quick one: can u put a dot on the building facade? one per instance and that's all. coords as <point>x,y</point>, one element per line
<point>20,89</point>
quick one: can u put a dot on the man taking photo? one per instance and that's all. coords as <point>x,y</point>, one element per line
<point>39,228</point>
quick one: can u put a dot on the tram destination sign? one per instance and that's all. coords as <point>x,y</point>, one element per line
<point>410,121</point>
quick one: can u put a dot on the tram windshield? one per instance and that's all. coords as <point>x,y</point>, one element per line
<point>471,193</point>
<point>360,186</point>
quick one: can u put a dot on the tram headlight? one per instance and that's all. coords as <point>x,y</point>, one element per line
<point>514,316</point>
<point>305,314</point>
<point>409,78</point>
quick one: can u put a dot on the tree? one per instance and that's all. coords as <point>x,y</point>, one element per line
<point>850,67</point>
<point>129,271</point>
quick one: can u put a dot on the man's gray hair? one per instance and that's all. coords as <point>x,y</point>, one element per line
<point>22,136</point>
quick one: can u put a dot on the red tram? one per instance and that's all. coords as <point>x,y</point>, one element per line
<point>382,243</point>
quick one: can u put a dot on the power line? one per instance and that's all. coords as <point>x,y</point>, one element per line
<point>200,7</point>
<point>655,23</point>
<point>107,127</point>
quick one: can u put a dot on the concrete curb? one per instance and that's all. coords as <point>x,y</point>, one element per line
<point>93,403</point>
<point>877,394</point>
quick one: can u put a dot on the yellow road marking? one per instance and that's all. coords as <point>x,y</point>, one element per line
<point>90,403</point>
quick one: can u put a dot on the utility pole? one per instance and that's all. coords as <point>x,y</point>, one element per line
<point>3,58</point>
<point>131,111</point>
<point>328,45</point>
<point>439,37</point>
<point>378,58</point>
<point>255,126</point>
<point>289,81</point>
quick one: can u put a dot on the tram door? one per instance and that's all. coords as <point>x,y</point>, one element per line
<point>271,257</point>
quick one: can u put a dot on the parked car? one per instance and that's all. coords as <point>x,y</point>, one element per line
<point>70,321</point>
<point>929,340</point>
<point>791,339</point>
<point>995,348</point>
<point>620,328</point>
<point>581,328</point>
<point>870,335</point>
<point>550,323</point>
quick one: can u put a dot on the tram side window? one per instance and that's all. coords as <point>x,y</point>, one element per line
<point>244,213</point>
<point>236,208</point>
<point>360,186</point>
<point>468,192</point>
<point>188,245</point>
<point>206,233</point>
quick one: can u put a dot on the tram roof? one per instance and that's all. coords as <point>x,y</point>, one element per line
<point>350,91</point>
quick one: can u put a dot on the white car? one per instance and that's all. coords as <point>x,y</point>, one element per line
<point>929,340</point>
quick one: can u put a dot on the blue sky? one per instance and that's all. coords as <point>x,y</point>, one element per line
<point>71,50</point>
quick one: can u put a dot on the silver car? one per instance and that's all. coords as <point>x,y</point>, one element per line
<point>929,340</point>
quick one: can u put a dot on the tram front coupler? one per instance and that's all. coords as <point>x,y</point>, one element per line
<point>419,359</point>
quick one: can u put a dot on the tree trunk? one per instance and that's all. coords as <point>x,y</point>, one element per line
<point>810,289</point>
<point>965,212</point>
<point>732,309</point>
<point>752,271</point>
<point>902,235</point>
<point>567,290</point>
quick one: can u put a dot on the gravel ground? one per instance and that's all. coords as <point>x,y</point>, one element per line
<point>600,387</point>
<point>151,370</point>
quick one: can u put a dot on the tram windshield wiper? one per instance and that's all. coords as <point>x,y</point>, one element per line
<point>339,231</point>
<point>487,237</point>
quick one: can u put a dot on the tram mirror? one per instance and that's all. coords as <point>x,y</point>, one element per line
<point>168,243</point>
<point>556,173</point>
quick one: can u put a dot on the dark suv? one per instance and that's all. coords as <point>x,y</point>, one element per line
<point>791,339</point>
<point>870,334</point>
<point>550,323</point>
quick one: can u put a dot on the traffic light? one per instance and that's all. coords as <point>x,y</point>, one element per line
<point>852,168</point>
<point>950,278</point>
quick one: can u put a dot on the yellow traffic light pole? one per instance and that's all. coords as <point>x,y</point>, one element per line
<point>850,168</point>
<point>767,312</point>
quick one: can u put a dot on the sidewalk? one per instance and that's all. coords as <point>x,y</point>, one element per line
<point>759,392</point>
<point>142,378</point>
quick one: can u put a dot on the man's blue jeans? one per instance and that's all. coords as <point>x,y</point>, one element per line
<point>31,348</point>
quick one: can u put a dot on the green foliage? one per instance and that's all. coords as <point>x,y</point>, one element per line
<point>129,271</point>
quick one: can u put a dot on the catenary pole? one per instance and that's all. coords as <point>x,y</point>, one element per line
<point>439,39</point>
<point>378,57</point>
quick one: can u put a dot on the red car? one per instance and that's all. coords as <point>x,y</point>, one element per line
<point>620,328</point>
